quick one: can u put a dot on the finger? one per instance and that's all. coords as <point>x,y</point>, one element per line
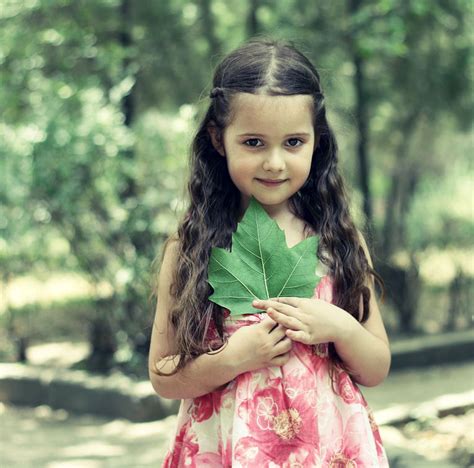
<point>298,335</point>
<point>292,301</point>
<point>281,360</point>
<point>258,304</point>
<point>285,320</point>
<point>283,308</point>
<point>268,324</point>
<point>283,346</point>
<point>266,303</point>
<point>278,332</point>
<point>287,310</point>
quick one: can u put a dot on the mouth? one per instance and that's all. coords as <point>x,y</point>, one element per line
<point>272,182</point>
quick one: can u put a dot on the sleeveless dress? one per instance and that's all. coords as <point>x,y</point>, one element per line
<point>288,416</point>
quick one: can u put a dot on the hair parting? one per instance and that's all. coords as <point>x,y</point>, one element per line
<point>273,68</point>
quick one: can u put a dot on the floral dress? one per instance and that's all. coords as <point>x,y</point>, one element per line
<point>288,416</point>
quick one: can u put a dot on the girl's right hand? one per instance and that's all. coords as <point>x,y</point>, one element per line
<point>261,345</point>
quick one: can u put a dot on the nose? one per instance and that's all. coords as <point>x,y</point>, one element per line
<point>274,161</point>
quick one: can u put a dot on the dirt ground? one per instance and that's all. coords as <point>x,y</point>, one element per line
<point>44,438</point>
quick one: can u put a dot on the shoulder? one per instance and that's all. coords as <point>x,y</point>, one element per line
<point>170,250</point>
<point>162,338</point>
<point>169,260</point>
<point>365,247</point>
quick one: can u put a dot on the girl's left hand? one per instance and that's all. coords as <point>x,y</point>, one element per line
<point>309,321</point>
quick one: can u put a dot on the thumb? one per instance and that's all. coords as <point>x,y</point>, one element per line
<point>268,323</point>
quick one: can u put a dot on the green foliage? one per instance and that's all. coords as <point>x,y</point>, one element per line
<point>260,264</point>
<point>442,215</point>
<point>97,117</point>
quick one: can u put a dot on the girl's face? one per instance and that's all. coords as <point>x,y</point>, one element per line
<point>269,147</point>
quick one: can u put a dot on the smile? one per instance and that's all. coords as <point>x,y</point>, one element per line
<point>272,182</point>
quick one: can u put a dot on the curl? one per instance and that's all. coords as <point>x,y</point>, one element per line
<point>216,92</point>
<point>273,68</point>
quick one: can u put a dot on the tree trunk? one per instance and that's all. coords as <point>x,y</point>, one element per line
<point>405,201</point>
<point>253,26</point>
<point>363,140</point>
<point>128,102</point>
<point>362,123</point>
<point>397,201</point>
<point>209,28</point>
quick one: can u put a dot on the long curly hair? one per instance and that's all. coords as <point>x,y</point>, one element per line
<point>273,68</point>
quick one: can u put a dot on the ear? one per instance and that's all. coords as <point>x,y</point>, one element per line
<point>213,133</point>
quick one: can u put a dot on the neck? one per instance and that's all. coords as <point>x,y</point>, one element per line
<point>280,213</point>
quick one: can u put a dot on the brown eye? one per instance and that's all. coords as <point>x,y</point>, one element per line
<point>293,142</point>
<point>253,142</point>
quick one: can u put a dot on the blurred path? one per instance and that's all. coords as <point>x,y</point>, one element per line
<point>45,438</point>
<point>415,386</point>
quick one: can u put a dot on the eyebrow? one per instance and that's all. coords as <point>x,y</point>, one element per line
<point>288,135</point>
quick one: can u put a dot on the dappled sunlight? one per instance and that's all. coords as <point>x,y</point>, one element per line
<point>163,427</point>
<point>106,108</point>
<point>60,354</point>
<point>433,438</point>
<point>97,448</point>
<point>418,385</point>
<point>80,440</point>
<point>24,290</point>
<point>79,463</point>
<point>127,430</point>
<point>439,267</point>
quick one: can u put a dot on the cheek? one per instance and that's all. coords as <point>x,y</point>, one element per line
<point>241,166</point>
<point>237,173</point>
<point>303,167</point>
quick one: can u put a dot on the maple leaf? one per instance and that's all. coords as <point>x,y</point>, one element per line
<point>260,265</point>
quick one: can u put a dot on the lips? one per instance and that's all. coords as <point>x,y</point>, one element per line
<point>272,182</point>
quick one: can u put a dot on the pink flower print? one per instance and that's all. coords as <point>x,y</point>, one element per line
<point>184,450</point>
<point>345,445</point>
<point>213,340</point>
<point>208,460</point>
<point>204,406</point>
<point>226,451</point>
<point>308,360</point>
<point>375,431</point>
<point>221,458</point>
<point>282,429</point>
<point>346,388</point>
<point>265,411</point>
<point>324,289</point>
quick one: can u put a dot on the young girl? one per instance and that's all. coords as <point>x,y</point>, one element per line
<point>276,387</point>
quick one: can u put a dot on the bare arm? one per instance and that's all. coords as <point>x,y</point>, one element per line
<point>365,354</point>
<point>249,348</point>
<point>364,348</point>
<point>202,375</point>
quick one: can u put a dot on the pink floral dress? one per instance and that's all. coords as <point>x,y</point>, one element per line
<point>288,416</point>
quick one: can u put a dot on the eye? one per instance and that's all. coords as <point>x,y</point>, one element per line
<point>252,142</point>
<point>293,142</point>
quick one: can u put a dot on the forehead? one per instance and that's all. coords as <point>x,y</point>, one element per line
<point>265,114</point>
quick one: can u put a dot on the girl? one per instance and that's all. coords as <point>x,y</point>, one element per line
<point>276,387</point>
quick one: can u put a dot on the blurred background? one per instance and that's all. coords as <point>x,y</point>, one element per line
<point>99,101</point>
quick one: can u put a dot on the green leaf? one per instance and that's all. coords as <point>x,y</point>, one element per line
<point>260,264</point>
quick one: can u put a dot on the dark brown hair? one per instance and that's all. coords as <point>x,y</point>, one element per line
<point>272,68</point>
